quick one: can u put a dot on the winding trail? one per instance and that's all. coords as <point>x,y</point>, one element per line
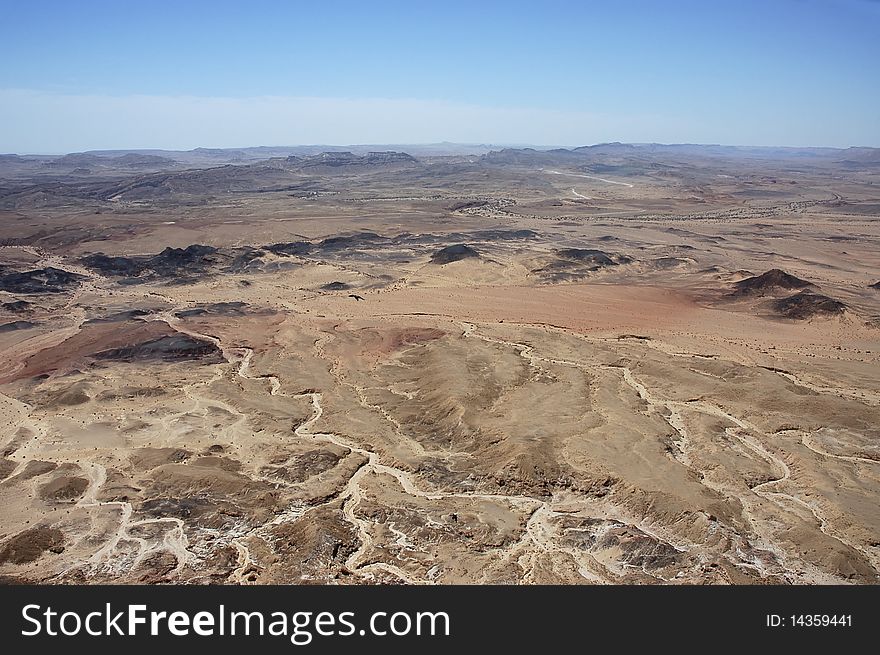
<point>540,534</point>
<point>864,396</point>
<point>807,440</point>
<point>240,358</point>
<point>673,416</point>
<point>173,541</point>
<point>591,177</point>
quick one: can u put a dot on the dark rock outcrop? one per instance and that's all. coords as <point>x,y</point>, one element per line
<point>292,248</point>
<point>347,242</point>
<point>467,204</point>
<point>172,348</point>
<point>64,488</point>
<point>773,280</point>
<point>115,266</point>
<point>30,545</point>
<point>171,261</point>
<point>181,263</point>
<point>807,305</point>
<point>454,253</point>
<point>16,325</point>
<point>572,264</point>
<point>245,259</point>
<point>595,258</point>
<point>16,306</point>
<point>234,308</point>
<point>41,280</point>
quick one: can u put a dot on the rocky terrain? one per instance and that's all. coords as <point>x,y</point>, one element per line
<point>604,365</point>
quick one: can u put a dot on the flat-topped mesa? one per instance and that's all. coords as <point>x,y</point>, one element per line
<point>454,253</point>
<point>388,156</point>
<point>349,159</point>
<point>772,280</point>
<point>128,160</point>
<point>332,158</point>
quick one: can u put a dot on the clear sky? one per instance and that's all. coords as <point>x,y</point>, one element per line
<point>80,75</point>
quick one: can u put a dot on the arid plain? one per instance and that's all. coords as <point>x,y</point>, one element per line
<point>607,365</point>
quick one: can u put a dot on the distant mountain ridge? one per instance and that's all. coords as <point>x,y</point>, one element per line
<point>203,155</point>
<point>853,157</point>
<point>152,174</point>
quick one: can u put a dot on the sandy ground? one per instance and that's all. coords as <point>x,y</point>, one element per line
<point>524,415</point>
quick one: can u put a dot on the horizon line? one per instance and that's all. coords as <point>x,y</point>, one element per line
<point>472,144</point>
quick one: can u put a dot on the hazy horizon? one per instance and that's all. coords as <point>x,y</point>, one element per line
<point>451,144</point>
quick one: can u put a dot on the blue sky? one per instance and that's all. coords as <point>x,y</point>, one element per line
<point>83,75</point>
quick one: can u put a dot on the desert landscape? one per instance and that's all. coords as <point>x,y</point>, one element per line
<point>612,364</point>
